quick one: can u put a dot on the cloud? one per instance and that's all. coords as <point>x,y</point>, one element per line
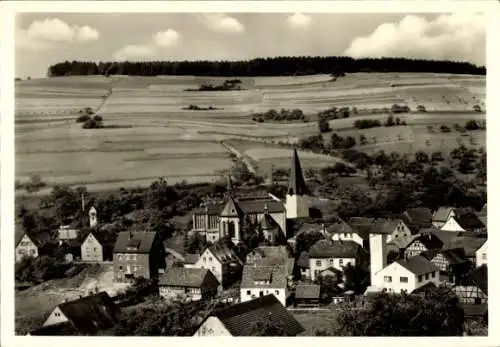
<point>42,34</point>
<point>166,38</point>
<point>150,49</point>
<point>223,23</point>
<point>457,36</point>
<point>135,52</point>
<point>299,21</point>
<point>86,33</point>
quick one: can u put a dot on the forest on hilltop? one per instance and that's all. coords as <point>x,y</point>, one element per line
<point>278,66</point>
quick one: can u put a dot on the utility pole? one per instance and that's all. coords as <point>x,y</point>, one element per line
<point>83,202</point>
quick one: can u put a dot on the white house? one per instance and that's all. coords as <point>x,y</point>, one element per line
<point>188,283</point>
<point>482,254</point>
<point>92,248</point>
<point>258,281</point>
<point>407,275</point>
<point>221,261</point>
<point>336,254</point>
<point>25,246</point>
<point>342,231</point>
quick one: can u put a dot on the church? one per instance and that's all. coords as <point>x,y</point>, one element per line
<point>215,221</point>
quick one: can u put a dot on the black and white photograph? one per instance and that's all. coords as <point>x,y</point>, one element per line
<point>308,174</point>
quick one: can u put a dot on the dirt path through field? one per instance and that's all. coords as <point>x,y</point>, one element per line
<point>233,150</point>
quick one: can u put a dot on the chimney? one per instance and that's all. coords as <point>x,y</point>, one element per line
<point>266,208</point>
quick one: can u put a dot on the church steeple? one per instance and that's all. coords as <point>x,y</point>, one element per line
<point>296,182</point>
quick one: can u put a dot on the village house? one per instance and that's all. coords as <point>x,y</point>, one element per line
<point>358,231</point>
<point>441,216</point>
<point>258,281</point>
<point>451,263</point>
<point>334,273</point>
<point>137,254</point>
<point>429,239</point>
<point>407,275</point>
<point>95,249</point>
<point>482,254</point>
<point>394,228</point>
<point>240,319</point>
<point>87,315</point>
<point>217,220</point>
<point>25,246</point>
<point>474,288</point>
<point>67,232</point>
<point>190,260</point>
<point>188,284</point>
<point>307,295</point>
<point>222,261</point>
<point>324,254</point>
<point>463,219</point>
<point>417,218</point>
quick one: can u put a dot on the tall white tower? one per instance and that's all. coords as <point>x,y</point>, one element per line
<point>93,217</point>
<point>297,196</point>
<point>378,255</point>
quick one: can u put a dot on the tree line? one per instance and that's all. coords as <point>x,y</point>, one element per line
<point>276,66</point>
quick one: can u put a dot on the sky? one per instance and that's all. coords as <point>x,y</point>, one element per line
<point>42,39</point>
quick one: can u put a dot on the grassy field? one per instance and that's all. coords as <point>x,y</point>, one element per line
<point>154,136</point>
<point>314,321</point>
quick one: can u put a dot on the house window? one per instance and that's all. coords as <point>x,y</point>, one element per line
<point>318,262</point>
<point>209,258</point>
<point>205,259</point>
<point>484,256</point>
<point>57,314</point>
<point>331,261</point>
<point>277,292</point>
<point>477,301</point>
<point>388,279</point>
<point>248,292</point>
<point>420,277</point>
<point>433,274</point>
<point>261,293</point>
<point>426,276</point>
<point>403,279</point>
<point>341,262</point>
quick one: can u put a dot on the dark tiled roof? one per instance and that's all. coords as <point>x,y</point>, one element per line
<point>309,227</point>
<point>420,215</point>
<point>479,278</point>
<point>332,270</point>
<point>403,242</point>
<point>92,313</point>
<point>134,242</point>
<point>303,261</point>
<point>468,219</point>
<point>213,209</point>
<point>475,310</point>
<point>307,291</point>
<point>272,255</point>
<point>441,214</point>
<point>277,275</point>
<point>339,227</point>
<point>19,234</point>
<point>268,223</point>
<point>191,258</point>
<point>454,256</point>
<point>225,254</point>
<point>417,265</point>
<point>385,225</point>
<point>60,329</point>
<point>296,183</point>
<point>335,249</point>
<point>362,225</point>
<point>258,205</point>
<point>240,319</point>
<point>187,277</point>
<point>469,244</point>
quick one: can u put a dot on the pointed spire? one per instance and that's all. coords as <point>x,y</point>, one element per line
<point>296,182</point>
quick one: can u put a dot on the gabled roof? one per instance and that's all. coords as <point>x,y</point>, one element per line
<point>418,265</point>
<point>239,319</point>
<point>442,214</point>
<point>296,183</point>
<point>453,256</point>
<point>92,313</point>
<point>19,234</point>
<point>403,242</point>
<point>307,291</point>
<point>231,208</point>
<point>134,242</point>
<point>268,223</point>
<point>187,277</point>
<point>339,227</point>
<point>362,226</point>
<point>467,219</point>
<point>212,209</point>
<point>272,255</point>
<point>385,225</point>
<point>257,205</point>
<point>277,275</point>
<point>333,249</point>
<point>478,277</point>
<point>224,254</point>
<point>332,270</point>
<point>417,218</point>
<point>470,245</point>
<point>191,258</point>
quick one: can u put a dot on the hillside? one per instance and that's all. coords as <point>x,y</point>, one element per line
<point>152,133</point>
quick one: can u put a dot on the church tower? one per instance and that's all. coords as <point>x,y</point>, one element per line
<point>93,217</point>
<point>231,216</point>
<point>297,197</point>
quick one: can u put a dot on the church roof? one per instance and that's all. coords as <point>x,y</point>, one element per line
<point>231,208</point>
<point>296,182</point>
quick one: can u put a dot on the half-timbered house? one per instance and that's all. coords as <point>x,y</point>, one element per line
<point>474,287</point>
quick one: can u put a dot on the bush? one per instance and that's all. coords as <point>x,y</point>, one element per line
<point>444,129</point>
<point>472,125</point>
<point>399,109</point>
<point>477,108</point>
<point>88,110</point>
<point>323,125</point>
<point>390,121</point>
<point>366,123</point>
<point>98,118</point>
<point>82,118</point>
<point>421,108</point>
<point>91,124</point>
